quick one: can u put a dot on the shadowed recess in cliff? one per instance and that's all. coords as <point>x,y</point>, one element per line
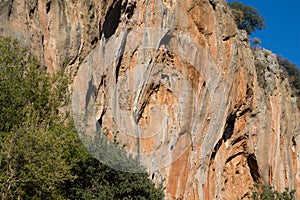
<point>253,166</point>
<point>229,127</point>
<point>102,84</point>
<point>121,53</point>
<point>227,133</point>
<point>112,19</point>
<point>48,6</point>
<point>151,89</point>
<point>213,4</point>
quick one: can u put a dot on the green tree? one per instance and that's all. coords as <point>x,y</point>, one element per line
<point>246,17</point>
<point>268,192</point>
<point>41,154</point>
<point>256,42</point>
<point>37,140</point>
<point>97,181</point>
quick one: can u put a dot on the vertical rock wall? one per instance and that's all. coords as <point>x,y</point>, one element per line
<point>177,83</point>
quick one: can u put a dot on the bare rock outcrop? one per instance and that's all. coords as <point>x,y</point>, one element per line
<point>176,83</point>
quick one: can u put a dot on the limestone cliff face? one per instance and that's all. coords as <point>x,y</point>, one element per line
<point>177,83</point>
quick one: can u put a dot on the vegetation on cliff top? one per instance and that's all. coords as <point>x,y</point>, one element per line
<point>41,154</point>
<point>293,73</point>
<point>246,17</point>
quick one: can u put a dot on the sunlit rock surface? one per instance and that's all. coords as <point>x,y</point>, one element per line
<point>176,83</point>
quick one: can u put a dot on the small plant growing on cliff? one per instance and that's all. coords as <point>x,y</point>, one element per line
<point>246,17</point>
<point>268,192</point>
<point>256,42</point>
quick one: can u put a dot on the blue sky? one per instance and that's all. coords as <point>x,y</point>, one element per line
<point>282,35</point>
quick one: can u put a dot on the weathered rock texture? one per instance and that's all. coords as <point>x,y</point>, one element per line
<point>179,84</point>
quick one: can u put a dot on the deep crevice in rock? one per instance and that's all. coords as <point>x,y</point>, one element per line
<point>31,12</point>
<point>233,156</point>
<point>112,19</point>
<point>102,83</point>
<point>48,6</point>
<point>121,54</point>
<point>118,67</point>
<point>294,141</point>
<point>213,4</point>
<point>226,135</point>
<point>216,148</point>
<point>229,127</point>
<point>153,88</point>
<point>241,138</point>
<point>253,166</point>
<point>100,120</point>
<point>226,38</point>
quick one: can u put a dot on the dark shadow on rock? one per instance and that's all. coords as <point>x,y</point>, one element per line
<point>112,19</point>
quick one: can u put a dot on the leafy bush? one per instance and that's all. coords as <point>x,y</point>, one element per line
<point>97,181</point>
<point>41,154</point>
<point>268,192</point>
<point>293,72</point>
<point>36,142</point>
<point>255,43</point>
<point>246,17</point>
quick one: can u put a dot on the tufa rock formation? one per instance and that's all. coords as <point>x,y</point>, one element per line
<point>176,83</point>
